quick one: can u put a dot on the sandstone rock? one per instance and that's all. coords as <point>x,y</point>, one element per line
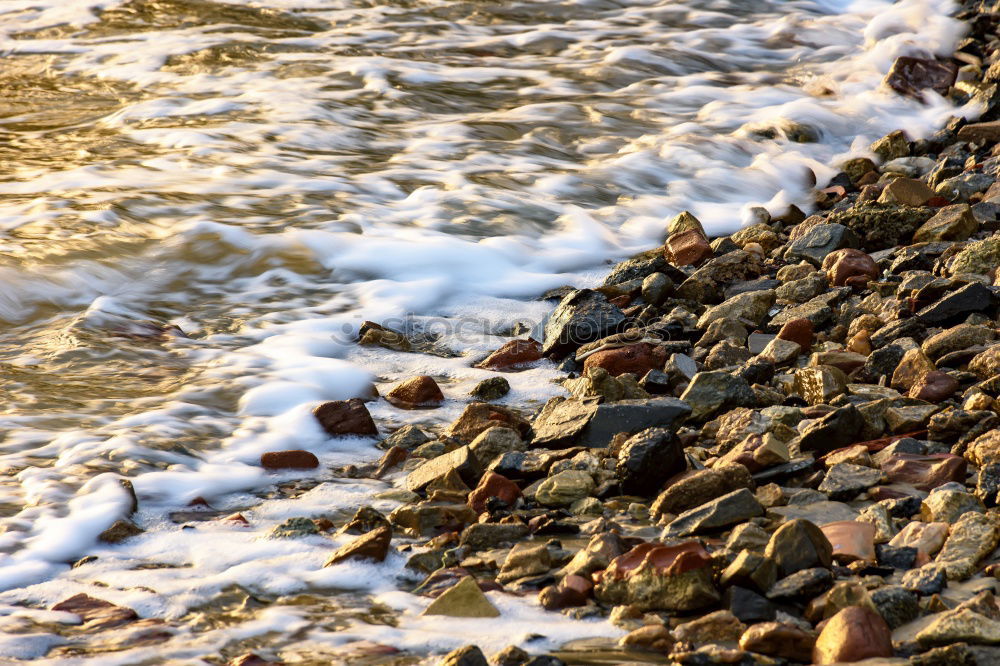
<point>926,538</point>
<point>891,146</point>
<point>945,506</point>
<point>853,634</point>
<point>978,257</point>
<point>563,423</point>
<point>934,387</point>
<point>911,76</point>
<point>295,459</point>
<point>637,359</point>
<point>712,392</point>
<point>96,614</point>
<point>799,331</point>
<point>960,625</point>
<point>524,559</point>
<point>687,248</point>
<point>484,536</point>
<point>751,307</point>
<point>911,369</point>
<point>346,417</point>
<point>836,430</point>
<point>596,382</point>
<point>651,637</point>
<point>371,546</point>
<point>906,192</point>
<point>692,489</point>
<point>493,485</point>
<point>478,417</point>
<point>985,449</point>
<point>461,461</point>
<point>819,385</point>
<point>882,226</point>
<point>780,640</point>
<point>986,364</point>
<point>924,472</point>
<point>512,355</point>
<point>973,536</point>
<point>655,577</point>
<point>464,599</point>
<point>955,339</point>
<point>492,443</point>
<point>720,627</point>
<point>951,223</point>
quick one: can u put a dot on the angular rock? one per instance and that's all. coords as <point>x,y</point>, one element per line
<point>692,489</point>
<point>906,192</point>
<point>493,485</point>
<point>911,76</point>
<point>973,297</point>
<point>492,388</point>
<point>924,472</point>
<point>647,460</point>
<point>973,536</point>
<point>845,481</point>
<point>371,546</point>
<point>851,540</point>
<point>945,506</point>
<point>821,384</point>
<point>780,640</point>
<point>564,423</point>
<point>564,488</point>
<point>582,316</point>
<point>801,585</point>
<point>687,248</point>
<point>461,461</point>
<point>896,605</point>
<point>655,577</point>
<point>512,355</point>
<point>819,241</point>
<point>951,223</point>
<point>727,510</point>
<point>751,307</point>
<point>712,392</point>
<point>478,417</point>
<point>836,430</point>
<point>960,625</point>
<point>346,417</point>
<point>797,545</point>
<point>464,599</point>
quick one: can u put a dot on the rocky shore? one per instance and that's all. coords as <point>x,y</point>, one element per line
<point>779,446</point>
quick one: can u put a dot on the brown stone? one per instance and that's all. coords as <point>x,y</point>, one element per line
<point>687,248</point>
<point>478,417</point>
<point>371,546</point>
<point>951,223</point>
<point>853,634</point>
<point>778,639</point>
<point>513,355</point>
<point>799,331</point>
<point>571,591</point>
<point>721,627</point>
<point>346,417</point>
<point>980,132</point>
<point>493,485</point>
<point>914,366</point>
<point>394,456</point>
<point>847,263</point>
<point>416,393</point>
<point>927,538</point>
<point>250,659</point>
<point>924,472</point>
<point>96,614</point>
<point>637,359</point>
<point>294,459</point>
<point>906,192</point>
<point>860,343</point>
<point>851,540</point>
<point>935,386</point>
<point>651,637</point>
<point>912,76</point>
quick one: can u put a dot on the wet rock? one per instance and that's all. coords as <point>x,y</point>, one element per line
<point>582,316</point>
<point>797,545</point>
<point>892,146</point>
<point>95,614</point>
<point>426,516</point>
<point>294,528</point>
<point>851,540</point>
<point>819,241</point>
<point>801,585</point>
<point>651,637</point>
<point>727,510</point>
<point>973,297</point>
<point>375,335</point>
<point>371,546</point>
<point>598,554</point>
<point>119,531</point>
<point>464,599</point>
<point>925,581</point>
<point>951,223</point>
<point>945,506</point>
<point>251,659</point>
<point>637,359</point>
<point>896,605</point>
<point>346,417</point>
<point>461,461</point>
<point>721,627</point>
<point>648,459</point>
<point>420,392</point>
<point>972,537</point>
<point>836,430</point>
<point>656,577</point>
<point>470,655</point>
<point>478,417</point>
<point>571,591</point>
<point>747,605</point>
<point>563,423</point>
<point>493,485</point>
<point>960,625</point>
<point>565,488</point>
<point>295,459</point>
<point>779,639</point>
<point>923,472</point>
<point>483,536</point>
<point>491,389</point>
<point>751,307</point>
<point>712,392</point>
<point>513,355</point>
<point>493,443</point>
<point>853,634</point>
<point>596,382</point>
<point>882,226</point>
<point>408,438</point>
<point>695,488</point>
<point>364,520</point>
<point>911,76</point>
<point>687,248</point>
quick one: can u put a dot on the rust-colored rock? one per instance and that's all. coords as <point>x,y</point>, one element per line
<point>687,248</point>
<point>851,540</point>
<point>345,417</point>
<point>778,639</point>
<point>853,634</point>
<point>799,331</point>
<point>394,456</point>
<point>652,576</point>
<point>420,392</point>
<point>371,546</point>
<point>571,591</point>
<point>637,359</point>
<point>935,386</point>
<point>842,265</point>
<point>294,459</point>
<point>924,472</point>
<point>914,366</point>
<point>478,417</point>
<point>513,355</point>
<point>96,614</point>
<point>493,485</point>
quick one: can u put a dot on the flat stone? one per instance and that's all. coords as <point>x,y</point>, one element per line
<point>951,223</point>
<point>294,459</point>
<point>838,429</point>
<point>980,132</point>
<point>712,392</point>
<point>973,297</point>
<point>960,625</point>
<point>461,461</point>
<point>925,538</point>
<point>820,513</point>
<point>801,585</point>
<point>924,472</point>
<point>751,307</point>
<point>911,76</point>
<point>692,489</point>
<point>820,241</point>
<point>844,481</point>
<point>906,192</point>
<point>524,559</point>
<point>727,510</point>
<point>779,639</point>
<point>464,599</point>
<point>720,627</point>
<point>925,581</point>
<point>851,540</point>
<point>564,488</point>
<point>563,423</point>
<point>972,537</point>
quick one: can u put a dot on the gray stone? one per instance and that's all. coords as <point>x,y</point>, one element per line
<point>973,297</point>
<point>647,460</point>
<point>925,581</point>
<point>751,307</point>
<point>727,510</point>
<point>565,488</point>
<point>461,461</point>
<point>582,316</point>
<point>712,392</point>
<point>801,585</point>
<point>836,430</point>
<point>820,241</point>
<point>563,423</point>
<point>844,481</point>
<point>896,605</point>
<point>492,388</point>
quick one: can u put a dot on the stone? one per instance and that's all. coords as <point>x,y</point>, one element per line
<point>656,287</point>
<point>647,459</point>
<point>692,489</point>
<point>478,417</point>
<point>720,627</point>
<point>493,485</point>
<point>896,605</point>
<point>911,369</point>
<point>781,352</point>
<point>420,392</point>
<point>637,359</point>
<point>934,387</point>
<point>798,544</point>
<point>909,418</point>
<point>687,248</point>
<point>371,546</point>
<point>597,555</point>
<point>925,538</point>
<point>838,429</point>
<point>925,581</point>
<point>747,605</point>
<point>819,241</point>
<point>582,316</point>
<point>945,506</point>
<point>346,417</point>
<point>637,267</point>
<point>651,637</point>
<point>910,76</point>
<point>892,146</point>
<point>963,186</point>
<point>470,655</point>
<point>844,481</point>
<point>120,530</point>
<point>712,392</point>
<point>408,438</point>
<point>492,388</point>
<point>923,472</point>
<point>799,331</point>
<point>973,297</point>
<point>980,132</point>
<point>293,528</point>
<point>596,382</point>
<point>493,443</point>
<point>524,559</point>
<point>294,459</point>
<point>850,267</point>
<point>565,488</point>
<point>906,192</point>
<point>986,364</point>
<point>851,540</point>
<point>750,570</point>
<point>464,599</point>
<point>684,221</point>
<point>984,450</point>
<point>424,517</point>
<point>956,338</point>
<point>960,625</point>
<point>801,585</point>
<point>512,355</point>
<point>563,423</point>
<point>461,461</point>
<point>882,226</point>
<point>853,634</point>
<point>779,639</point>
<point>656,577</point>
<point>972,537</point>
<point>820,513</point>
<point>951,223</point>
<point>751,307</point>
<point>821,384</point>
<point>978,257</point>
<point>730,509</point>
<point>95,614</point>
<point>484,536</point>
<point>374,335</point>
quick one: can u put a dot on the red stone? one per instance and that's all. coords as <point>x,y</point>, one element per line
<point>96,614</point>
<point>493,485</point>
<point>637,359</point>
<point>851,540</point>
<point>925,472</point>
<point>512,355</point>
<point>853,634</point>
<point>416,393</point>
<point>394,456</point>
<point>935,386</point>
<point>799,331</point>
<point>848,264</point>
<point>345,417</point>
<point>938,202</point>
<point>669,560</point>
<point>571,591</point>
<point>687,248</point>
<point>294,459</point>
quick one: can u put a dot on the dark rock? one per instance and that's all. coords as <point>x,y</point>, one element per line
<point>901,557</point>
<point>797,545</point>
<point>747,605</point>
<point>973,297</point>
<point>346,417</point>
<point>295,459</point>
<point>648,459</point>
<point>491,389</point>
<point>563,423</point>
<point>692,489</point>
<point>896,605</point>
<point>925,581</point>
<point>712,392</point>
<point>836,430</point>
<point>637,268</point>
<point>730,509</point>
<point>821,240</point>
<point>844,481</point>
<point>912,76</point>
<point>882,362</point>
<point>582,316</point>
<point>882,226</point>
<point>801,585</point>
<point>119,531</point>
<point>904,328</point>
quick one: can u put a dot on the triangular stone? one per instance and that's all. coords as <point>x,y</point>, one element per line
<point>464,599</point>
